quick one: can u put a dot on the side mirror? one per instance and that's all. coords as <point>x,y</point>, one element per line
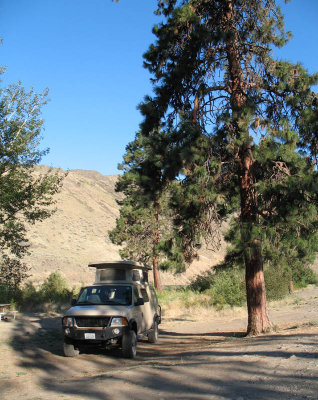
<point>73,302</point>
<point>140,302</point>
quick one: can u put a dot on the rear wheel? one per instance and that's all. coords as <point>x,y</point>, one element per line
<point>70,350</point>
<point>129,344</point>
<point>153,334</point>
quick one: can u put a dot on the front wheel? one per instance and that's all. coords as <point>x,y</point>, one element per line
<point>70,350</point>
<point>153,334</point>
<point>129,344</point>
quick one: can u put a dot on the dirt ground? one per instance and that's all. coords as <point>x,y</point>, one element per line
<point>200,357</point>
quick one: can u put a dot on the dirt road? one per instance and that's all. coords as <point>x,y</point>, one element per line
<point>202,358</point>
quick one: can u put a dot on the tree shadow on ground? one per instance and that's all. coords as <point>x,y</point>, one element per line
<point>181,365</point>
<point>204,334</point>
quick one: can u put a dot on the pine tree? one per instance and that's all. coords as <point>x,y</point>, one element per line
<point>143,225</point>
<point>215,82</point>
<point>287,205</point>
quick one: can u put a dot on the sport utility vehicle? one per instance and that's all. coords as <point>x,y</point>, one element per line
<point>118,307</point>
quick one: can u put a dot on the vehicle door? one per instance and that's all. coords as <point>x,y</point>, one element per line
<point>148,314</point>
<point>137,311</point>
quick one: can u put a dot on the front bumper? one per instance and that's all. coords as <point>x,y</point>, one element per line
<point>94,335</point>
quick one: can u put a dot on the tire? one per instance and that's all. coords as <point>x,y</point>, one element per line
<point>153,334</point>
<point>70,350</point>
<point>129,344</point>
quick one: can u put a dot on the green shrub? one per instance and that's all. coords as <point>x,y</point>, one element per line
<point>303,276</point>
<point>4,294</point>
<point>278,278</point>
<point>228,288</point>
<point>53,293</point>
<point>9,295</point>
<point>277,281</point>
<point>202,282</point>
<point>54,288</point>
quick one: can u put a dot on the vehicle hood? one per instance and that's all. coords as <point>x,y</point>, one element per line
<point>98,311</point>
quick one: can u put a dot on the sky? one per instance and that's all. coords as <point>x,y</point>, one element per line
<point>89,54</point>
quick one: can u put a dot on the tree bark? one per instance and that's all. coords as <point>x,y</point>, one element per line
<point>155,258</point>
<point>258,320</point>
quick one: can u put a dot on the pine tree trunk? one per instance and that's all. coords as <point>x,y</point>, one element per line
<point>156,275</point>
<point>155,257</point>
<point>258,320</point>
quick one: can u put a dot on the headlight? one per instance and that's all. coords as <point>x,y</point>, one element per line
<point>118,321</point>
<point>68,321</point>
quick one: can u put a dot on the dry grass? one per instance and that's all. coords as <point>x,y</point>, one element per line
<point>188,305</point>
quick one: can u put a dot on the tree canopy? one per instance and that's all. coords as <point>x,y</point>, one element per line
<point>25,196</point>
<point>144,226</point>
<point>236,119</point>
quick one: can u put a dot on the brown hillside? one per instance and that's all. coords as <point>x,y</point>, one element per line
<point>77,232</point>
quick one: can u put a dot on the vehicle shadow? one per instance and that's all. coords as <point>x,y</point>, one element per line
<point>172,365</point>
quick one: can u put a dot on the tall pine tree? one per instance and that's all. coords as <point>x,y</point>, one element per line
<point>215,81</point>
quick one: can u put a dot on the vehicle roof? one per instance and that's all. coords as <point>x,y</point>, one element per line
<point>118,264</point>
<point>112,283</point>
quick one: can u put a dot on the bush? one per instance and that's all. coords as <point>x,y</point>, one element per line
<point>203,282</point>
<point>278,278</point>
<point>277,281</point>
<point>303,276</point>
<point>225,286</point>
<point>8,295</point>
<point>54,289</point>
<point>52,294</point>
<point>228,288</point>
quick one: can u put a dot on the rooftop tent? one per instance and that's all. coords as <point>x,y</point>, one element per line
<point>120,271</point>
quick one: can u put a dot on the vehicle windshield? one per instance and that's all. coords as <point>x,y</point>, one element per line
<point>106,294</point>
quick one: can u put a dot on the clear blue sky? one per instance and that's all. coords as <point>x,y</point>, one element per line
<point>89,54</point>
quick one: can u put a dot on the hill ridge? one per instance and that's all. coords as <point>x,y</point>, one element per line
<point>78,232</point>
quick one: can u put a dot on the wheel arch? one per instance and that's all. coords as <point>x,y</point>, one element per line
<point>133,325</point>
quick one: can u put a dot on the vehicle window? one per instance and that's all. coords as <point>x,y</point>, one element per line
<point>112,275</point>
<point>136,294</point>
<point>136,275</point>
<point>106,295</point>
<point>144,295</point>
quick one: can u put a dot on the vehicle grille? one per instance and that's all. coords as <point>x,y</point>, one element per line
<point>92,322</point>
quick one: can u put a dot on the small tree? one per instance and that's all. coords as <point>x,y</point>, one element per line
<point>143,225</point>
<point>25,197</point>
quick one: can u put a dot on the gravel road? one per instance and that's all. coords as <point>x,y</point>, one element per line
<point>205,357</point>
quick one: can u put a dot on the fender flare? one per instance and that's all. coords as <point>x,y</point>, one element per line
<point>132,324</point>
<point>158,316</point>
